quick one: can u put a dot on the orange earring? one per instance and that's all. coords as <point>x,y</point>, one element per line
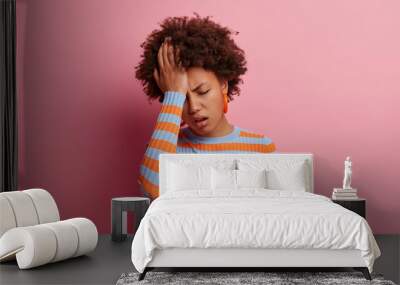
<point>225,103</point>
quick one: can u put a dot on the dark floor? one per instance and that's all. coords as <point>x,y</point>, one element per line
<point>111,259</point>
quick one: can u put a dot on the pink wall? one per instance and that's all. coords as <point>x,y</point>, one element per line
<point>323,78</point>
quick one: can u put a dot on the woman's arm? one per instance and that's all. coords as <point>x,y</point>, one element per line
<point>173,82</point>
<point>163,140</point>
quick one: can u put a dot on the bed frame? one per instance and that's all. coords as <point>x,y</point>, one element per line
<point>237,258</point>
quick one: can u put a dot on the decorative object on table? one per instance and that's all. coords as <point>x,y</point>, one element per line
<point>358,205</point>
<point>215,278</point>
<point>119,208</point>
<point>347,173</point>
<point>31,231</point>
<point>347,192</point>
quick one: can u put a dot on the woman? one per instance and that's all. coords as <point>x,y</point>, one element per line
<point>193,67</point>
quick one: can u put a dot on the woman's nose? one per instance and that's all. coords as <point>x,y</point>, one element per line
<point>194,106</point>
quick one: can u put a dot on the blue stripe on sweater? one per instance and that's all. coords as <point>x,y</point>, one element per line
<point>171,118</point>
<point>174,98</point>
<point>180,149</point>
<point>165,135</point>
<point>150,175</point>
<point>153,153</point>
<point>250,140</point>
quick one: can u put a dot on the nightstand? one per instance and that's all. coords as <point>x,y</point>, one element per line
<point>119,207</point>
<point>358,206</point>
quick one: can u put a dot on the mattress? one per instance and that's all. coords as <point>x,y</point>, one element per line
<point>250,218</point>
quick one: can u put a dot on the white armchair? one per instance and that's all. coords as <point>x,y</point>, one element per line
<point>32,233</point>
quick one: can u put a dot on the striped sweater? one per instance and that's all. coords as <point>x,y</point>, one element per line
<point>168,137</point>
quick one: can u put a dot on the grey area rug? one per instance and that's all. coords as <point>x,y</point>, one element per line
<point>231,278</point>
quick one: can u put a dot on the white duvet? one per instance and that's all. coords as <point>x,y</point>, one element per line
<point>250,218</point>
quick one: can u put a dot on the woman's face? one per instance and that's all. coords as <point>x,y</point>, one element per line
<point>203,108</point>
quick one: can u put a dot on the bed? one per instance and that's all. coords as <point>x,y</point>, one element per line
<point>247,210</point>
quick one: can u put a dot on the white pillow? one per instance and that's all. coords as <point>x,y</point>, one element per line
<point>287,179</point>
<point>223,179</point>
<point>181,177</point>
<point>251,178</point>
<point>281,174</point>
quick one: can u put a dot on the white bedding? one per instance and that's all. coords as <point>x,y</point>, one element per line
<point>250,218</point>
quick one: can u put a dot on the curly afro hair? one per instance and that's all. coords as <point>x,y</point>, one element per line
<point>202,43</point>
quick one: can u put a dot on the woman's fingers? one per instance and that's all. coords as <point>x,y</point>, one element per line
<point>171,57</point>
<point>157,79</point>
<point>177,58</point>
<point>160,57</point>
<point>168,56</point>
<point>165,54</point>
<point>170,75</point>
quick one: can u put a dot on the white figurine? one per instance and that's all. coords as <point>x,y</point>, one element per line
<point>347,173</point>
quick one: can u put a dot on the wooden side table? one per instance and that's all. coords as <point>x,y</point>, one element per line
<point>119,208</point>
<point>357,206</point>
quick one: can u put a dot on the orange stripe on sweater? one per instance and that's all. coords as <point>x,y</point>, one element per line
<point>230,146</point>
<point>250,135</point>
<point>162,145</point>
<point>149,187</point>
<point>150,163</point>
<point>270,148</point>
<point>171,109</point>
<point>167,126</point>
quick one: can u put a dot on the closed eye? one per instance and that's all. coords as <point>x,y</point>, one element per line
<point>204,92</point>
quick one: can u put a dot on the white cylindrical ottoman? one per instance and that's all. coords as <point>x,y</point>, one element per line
<point>40,244</point>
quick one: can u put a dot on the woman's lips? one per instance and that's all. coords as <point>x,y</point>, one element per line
<point>201,123</point>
